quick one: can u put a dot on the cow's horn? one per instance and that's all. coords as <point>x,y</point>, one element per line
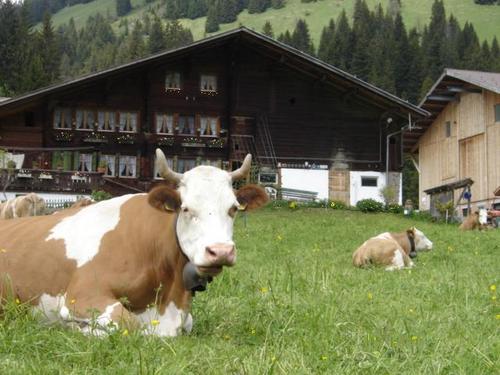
<point>242,171</point>
<point>163,168</point>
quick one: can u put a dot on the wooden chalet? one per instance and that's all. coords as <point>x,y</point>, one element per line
<point>460,141</point>
<point>210,102</point>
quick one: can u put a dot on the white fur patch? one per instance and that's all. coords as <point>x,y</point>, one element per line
<point>103,324</point>
<point>171,323</point>
<point>483,216</point>
<point>49,307</point>
<point>82,232</point>
<point>397,261</point>
<point>385,236</point>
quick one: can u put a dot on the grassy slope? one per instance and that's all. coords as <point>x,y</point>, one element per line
<point>294,304</point>
<point>416,13</point>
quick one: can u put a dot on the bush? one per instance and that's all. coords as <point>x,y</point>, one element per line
<point>337,205</point>
<point>394,208</point>
<point>100,195</point>
<point>369,205</point>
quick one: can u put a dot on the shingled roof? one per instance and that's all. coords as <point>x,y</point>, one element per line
<point>289,55</point>
<point>451,83</point>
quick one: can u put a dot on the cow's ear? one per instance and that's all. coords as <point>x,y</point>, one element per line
<point>251,197</point>
<point>164,198</point>
<point>411,232</point>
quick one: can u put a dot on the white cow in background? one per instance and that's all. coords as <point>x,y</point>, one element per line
<point>26,205</point>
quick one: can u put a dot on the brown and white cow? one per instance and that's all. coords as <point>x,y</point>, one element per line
<point>26,205</point>
<point>393,250</point>
<point>476,220</point>
<point>120,262</point>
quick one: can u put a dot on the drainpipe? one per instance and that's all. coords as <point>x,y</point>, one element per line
<point>407,126</point>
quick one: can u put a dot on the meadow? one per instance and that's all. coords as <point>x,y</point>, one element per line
<point>294,304</point>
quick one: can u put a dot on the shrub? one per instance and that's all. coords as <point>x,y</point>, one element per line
<point>100,195</point>
<point>337,205</point>
<point>394,208</point>
<point>369,205</point>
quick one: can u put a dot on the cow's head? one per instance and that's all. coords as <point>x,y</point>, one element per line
<point>206,206</point>
<point>422,243</point>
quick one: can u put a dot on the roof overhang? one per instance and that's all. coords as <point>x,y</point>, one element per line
<point>350,84</point>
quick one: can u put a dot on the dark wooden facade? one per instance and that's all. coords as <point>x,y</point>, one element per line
<point>306,109</point>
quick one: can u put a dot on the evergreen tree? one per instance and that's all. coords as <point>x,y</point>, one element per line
<point>277,4</point>
<point>325,48</point>
<point>362,29</point>
<point>341,54</point>
<point>416,68</point>
<point>285,38</point>
<point>433,40</point>
<point>212,22</point>
<point>485,58</point>
<point>268,29</point>
<point>258,6</point>
<point>402,57</point>
<point>123,7</point>
<point>49,51</point>
<point>156,42</point>
<point>227,10</point>
<point>176,35</point>
<point>301,39</point>
<point>136,45</point>
<point>495,55</point>
<point>469,48</point>
<point>196,8</point>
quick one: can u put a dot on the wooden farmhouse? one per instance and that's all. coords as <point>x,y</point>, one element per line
<point>309,125</point>
<point>458,146</point>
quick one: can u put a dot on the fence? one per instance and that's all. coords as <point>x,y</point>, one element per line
<point>53,205</point>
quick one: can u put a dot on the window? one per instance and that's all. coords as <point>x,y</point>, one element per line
<point>128,122</point>
<point>164,123</point>
<point>62,118</point>
<point>209,126</point>
<point>186,125</point>
<point>128,166</point>
<point>110,161</point>
<point>173,81</point>
<point>184,165</point>
<point>106,121</point>
<point>369,181</point>
<point>497,112</point>
<point>85,164</point>
<point>208,83</point>
<point>170,163</point>
<point>447,126</point>
<point>84,119</point>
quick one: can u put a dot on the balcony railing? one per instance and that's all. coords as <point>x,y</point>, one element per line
<point>49,180</point>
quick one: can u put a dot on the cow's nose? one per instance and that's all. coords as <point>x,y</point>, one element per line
<point>220,254</point>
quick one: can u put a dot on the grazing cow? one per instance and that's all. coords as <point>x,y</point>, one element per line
<point>393,250</point>
<point>477,220</point>
<point>23,206</point>
<point>131,261</point>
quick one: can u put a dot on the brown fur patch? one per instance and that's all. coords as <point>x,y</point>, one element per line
<point>252,196</point>
<point>164,198</point>
<point>472,222</point>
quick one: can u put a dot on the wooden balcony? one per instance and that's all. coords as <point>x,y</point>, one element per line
<point>48,180</point>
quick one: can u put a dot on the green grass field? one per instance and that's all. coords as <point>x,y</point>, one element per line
<point>294,304</point>
<point>415,13</point>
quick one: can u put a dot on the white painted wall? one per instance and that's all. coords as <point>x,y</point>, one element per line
<point>359,192</point>
<point>306,179</point>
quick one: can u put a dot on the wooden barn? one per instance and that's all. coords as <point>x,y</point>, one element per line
<point>458,146</point>
<point>309,125</point>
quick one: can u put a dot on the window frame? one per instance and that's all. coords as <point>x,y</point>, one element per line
<point>369,178</point>
<point>496,112</point>
<point>85,111</point>
<point>447,129</point>
<point>217,126</point>
<point>178,122</point>
<point>128,112</point>
<point>174,123</point>
<point>62,111</point>
<point>106,156</point>
<point>120,157</point>
<point>106,111</point>
<point>203,78</point>
<point>173,88</point>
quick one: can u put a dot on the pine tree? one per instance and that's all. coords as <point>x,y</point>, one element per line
<point>301,39</point>
<point>325,48</point>
<point>268,29</point>
<point>136,46</point>
<point>343,40</point>
<point>402,58</point>
<point>212,22</point>
<point>258,6</point>
<point>495,55</point>
<point>433,40</point>
<point>416,68</point>
<point>156,41</point>
<point>49,51</point>
<point>485,58</point>
<point>362,29</point>
<point>123,7</point>
<point>176,35</point>
<point>277,4</point>
<point>285,38</point>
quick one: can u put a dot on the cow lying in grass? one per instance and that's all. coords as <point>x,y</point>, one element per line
<point>393,250</point>
<point>131,261</point>
<point>22,206</point>
<point>476,220</point>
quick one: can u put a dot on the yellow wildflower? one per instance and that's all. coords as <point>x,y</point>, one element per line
<point>278,237</point>
<point>292,205</point>
<point>264,290</point>
<point>493,298</point>
<point>414,338</point>
<point>497,316</point>
<point>450,248</point>
<point>125,332</point>
<point>273,359</point>
<point>18,301</point>
<point>493,287</point>
<point>324,357</point>
<point>370,296</point>
<point>227,337</point>
<point>73,301</point>
<point>155,322</point>
<point>332,205</point>
<point>252,331</point>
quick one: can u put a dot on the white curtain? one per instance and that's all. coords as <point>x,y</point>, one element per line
<point>79,119</point>
<point>127,166</point>
<point>213,125</point>
<point>203,125</point>
<point>57,119</point>
<point>85,162</point>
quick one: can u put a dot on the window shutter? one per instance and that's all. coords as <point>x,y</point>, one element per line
<point>94,161</point>
<point>67,160</point>
<point>76,160</point>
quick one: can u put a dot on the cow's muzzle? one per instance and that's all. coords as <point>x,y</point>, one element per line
<point>218,255</point>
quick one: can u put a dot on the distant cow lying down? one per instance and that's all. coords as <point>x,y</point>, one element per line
<point>476,220</point>
<point>393,250</point>
<point>82,203</point>
<point>23,206</point>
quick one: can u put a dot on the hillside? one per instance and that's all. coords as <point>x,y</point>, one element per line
<point>415,13</point>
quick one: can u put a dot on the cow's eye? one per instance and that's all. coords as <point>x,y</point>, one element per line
<point>185,209</point>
